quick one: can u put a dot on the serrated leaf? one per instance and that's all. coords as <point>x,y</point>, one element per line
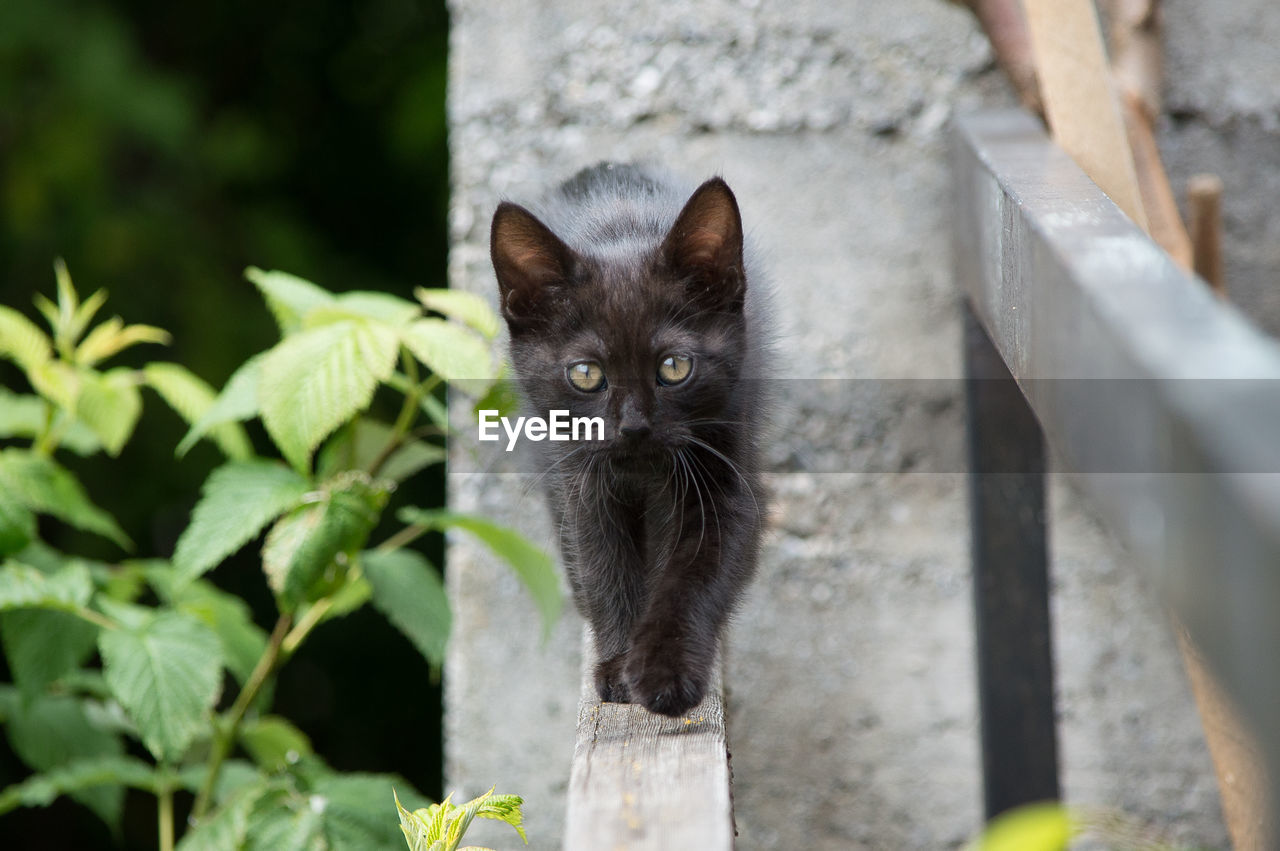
<point>44,487</point>
<point>449,350</point>
<point>318,379</point>
<point>51,732</point>
<point>22,341</point>
<point>409,592</point>
<point>110,404</point>
<point>306,543</point>
<point>273,742</point>
<point>288,297</point>
<point>237,402</point>
<point>237,501</point>
<point>24,416</point>
<point>166,675</point>
<point>42,789</point>
<point>243,641</point>
<point>531,564</point>
<point>463,306</point>
<point>381,307</point>
<point>192,398</point>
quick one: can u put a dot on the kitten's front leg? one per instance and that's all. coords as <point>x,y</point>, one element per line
<point>609,589</point>
<point>674,645</point>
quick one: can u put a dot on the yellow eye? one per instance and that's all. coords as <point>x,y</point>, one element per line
<point>674,369</point>
<point>586,375</point>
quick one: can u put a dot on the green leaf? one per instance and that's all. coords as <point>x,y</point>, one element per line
<point>243,641</point>
<point>227,827</point>
<point>42,789</point>
<point>59,382</point>
<point>166,675</point>
<point>305,544</point>
<point>288,297</point>
<point>238,401</point>
<point>24,416</point>
<point>363,305</point>
<point>1034,827</point>
<point>112,337</point>
<point>42,646</point>
<point>84,314</point>
<point>410,459</point>
<point>501,396</point>
<point>22,341</point>
<point>52,732</point>
<point>238,500</point>
<point>409,592</point>
<point>24,587</point>
<point>286,822</point>
<point>316,380</point>
<point>449,350</point>
<point>273,742</point>
<point>356,815</point>
<point>465,307</point>
<point>356,447</point>
<point>192,398</point>
<point>44,487</point>
<point>17,524</point>
<point>532,566</point>
<point>110,404</point>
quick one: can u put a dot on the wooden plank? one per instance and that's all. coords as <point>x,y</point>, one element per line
<point>642,781</point>
<point>1079,99</point>
<point>1010,582</point>
<point>1162,398</point>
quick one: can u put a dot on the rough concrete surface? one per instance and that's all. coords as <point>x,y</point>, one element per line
<point>851,697</point>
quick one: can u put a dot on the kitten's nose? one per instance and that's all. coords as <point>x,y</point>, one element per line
<point>634,430</point>
<point>632,424</point>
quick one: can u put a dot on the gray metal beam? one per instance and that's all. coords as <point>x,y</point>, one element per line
<point>1164,400</point>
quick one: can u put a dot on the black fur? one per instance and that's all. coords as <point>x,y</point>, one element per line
<point>660,523</point>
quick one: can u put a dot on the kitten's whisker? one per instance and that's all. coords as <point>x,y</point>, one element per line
<point>732,466</point>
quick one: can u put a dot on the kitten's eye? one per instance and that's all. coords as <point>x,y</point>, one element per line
<point>674,369</point>
<point>586,375</point>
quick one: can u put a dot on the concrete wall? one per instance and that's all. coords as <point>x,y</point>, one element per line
<point>851,682</point>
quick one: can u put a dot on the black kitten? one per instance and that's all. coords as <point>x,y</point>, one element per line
<point>628,299</point>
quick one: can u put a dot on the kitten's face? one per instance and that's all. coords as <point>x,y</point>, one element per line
<point>651,343</point>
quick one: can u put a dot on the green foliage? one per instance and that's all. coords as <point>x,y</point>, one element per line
<point>440,827</point>
<point>166,636</point>
<point>1050,826</point>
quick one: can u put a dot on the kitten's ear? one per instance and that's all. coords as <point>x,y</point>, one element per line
<point>529,261</point>
<point>705,247</point>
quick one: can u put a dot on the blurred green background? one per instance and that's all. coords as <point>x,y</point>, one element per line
<point>160,148</point>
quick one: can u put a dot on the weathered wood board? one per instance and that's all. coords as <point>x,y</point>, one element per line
<point>644,781</point>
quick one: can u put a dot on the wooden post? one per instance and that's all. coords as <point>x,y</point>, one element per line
<point>1010,582</point>
<point>1204,204</point>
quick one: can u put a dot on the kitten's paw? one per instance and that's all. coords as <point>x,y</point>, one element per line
<point>611,685</point>
<point>662,684</point>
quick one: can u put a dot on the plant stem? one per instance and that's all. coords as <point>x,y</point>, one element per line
<point>407,414</point>
<point>166,817</point>
<point>308,622</point>
<point>95,618</point>
<point>225,735</point>
<point>407,535</point>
